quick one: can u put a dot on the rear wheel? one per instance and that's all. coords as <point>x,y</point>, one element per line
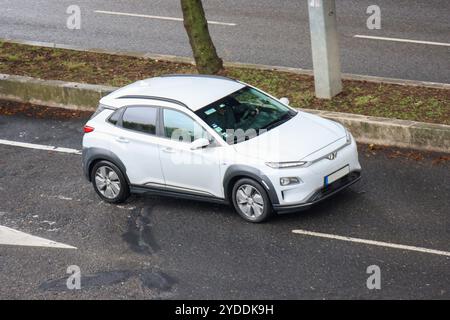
<point>109,182</point>
<point>251,200</point>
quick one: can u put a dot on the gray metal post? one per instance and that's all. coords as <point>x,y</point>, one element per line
<point>325,48</point>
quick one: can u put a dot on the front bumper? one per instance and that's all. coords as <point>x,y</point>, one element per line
<point>321,194</point>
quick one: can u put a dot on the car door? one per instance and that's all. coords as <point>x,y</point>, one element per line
<point>193,171</point>
<point>135,142</point>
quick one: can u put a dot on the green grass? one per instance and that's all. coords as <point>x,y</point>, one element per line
<point>373,99</point>
<point>12,57</point>
<point>74,66</point>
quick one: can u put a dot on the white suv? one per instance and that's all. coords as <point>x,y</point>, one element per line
<point>215,139</point>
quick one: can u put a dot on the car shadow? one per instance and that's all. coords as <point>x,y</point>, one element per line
<point>324,209</point>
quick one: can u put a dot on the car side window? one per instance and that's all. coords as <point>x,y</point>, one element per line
<point>142,119</point>
<point>114,118</point>
<point>179,126</point>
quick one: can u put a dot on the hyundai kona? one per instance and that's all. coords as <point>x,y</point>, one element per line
<point>215,139</point>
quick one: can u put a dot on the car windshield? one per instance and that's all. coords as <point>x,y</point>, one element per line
<point>245,114</point>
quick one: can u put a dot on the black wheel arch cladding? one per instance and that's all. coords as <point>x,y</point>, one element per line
<point>242,171</point>
<point>93,155</point>
<point>233,173</point>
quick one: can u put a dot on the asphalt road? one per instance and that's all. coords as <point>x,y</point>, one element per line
<point>265,31</point>
<point>160,248</point>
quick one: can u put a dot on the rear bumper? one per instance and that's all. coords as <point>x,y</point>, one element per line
<point>321,194</point>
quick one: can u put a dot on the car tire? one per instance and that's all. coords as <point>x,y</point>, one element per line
<point>251,201</point>
<point>109,182</point>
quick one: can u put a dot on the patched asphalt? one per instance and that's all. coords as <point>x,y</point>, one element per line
<point>163,248</point>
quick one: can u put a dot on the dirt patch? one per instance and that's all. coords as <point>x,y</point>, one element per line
<point>435,158</point>
<point>9,108</point>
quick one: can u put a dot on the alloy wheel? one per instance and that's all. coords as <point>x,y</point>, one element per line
<point>250,201</point>
<point>107,182</point>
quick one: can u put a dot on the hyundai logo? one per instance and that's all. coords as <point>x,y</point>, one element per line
<point>332,156</point>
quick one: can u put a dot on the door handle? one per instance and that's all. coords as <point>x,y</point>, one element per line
<point>168,150</point>
<point>122,140</point>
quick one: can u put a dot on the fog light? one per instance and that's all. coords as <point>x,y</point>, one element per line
<point>289,180</point>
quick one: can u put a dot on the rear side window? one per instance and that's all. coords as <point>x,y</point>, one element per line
<point>142,119</point>
<point>114,118</point>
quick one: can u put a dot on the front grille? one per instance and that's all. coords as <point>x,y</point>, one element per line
<point>338,184</point>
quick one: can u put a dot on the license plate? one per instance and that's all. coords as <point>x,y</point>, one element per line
<point>336,175</point>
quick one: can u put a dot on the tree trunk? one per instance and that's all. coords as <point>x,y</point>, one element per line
<point>205,54</point>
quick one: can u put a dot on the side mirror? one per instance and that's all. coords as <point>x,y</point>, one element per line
<point>285,101</point>
<point>199,143</point>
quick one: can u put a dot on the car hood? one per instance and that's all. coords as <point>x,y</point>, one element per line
<point>297,139</point>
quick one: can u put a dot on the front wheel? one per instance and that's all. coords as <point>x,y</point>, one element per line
<point>251,200</point>
<point>109,182</point>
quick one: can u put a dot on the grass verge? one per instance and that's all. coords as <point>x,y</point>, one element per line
<point>360,97</point>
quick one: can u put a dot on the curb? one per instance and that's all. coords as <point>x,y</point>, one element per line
<point>365,129</point>
<point>179,59</point>
<point>393,132</point>
<point>52,93</point>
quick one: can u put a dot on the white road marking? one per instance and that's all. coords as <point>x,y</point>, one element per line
<point>402,40</point>
<point>158,17</point>
<point>39,147</point>
<point>65,198</point>
<point>50,223</point>
<point>13,237</point>
<point>372,242</point>
<point>126,208</point>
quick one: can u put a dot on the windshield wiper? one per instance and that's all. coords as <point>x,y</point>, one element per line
<point>287,116</point>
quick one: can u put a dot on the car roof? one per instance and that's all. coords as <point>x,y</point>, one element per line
<point>192,91</point>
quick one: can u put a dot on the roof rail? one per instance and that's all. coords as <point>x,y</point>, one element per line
<point>155,98</point>
<point>196,76</point>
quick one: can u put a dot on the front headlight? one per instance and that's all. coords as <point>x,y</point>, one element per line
<point>282,165</point>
